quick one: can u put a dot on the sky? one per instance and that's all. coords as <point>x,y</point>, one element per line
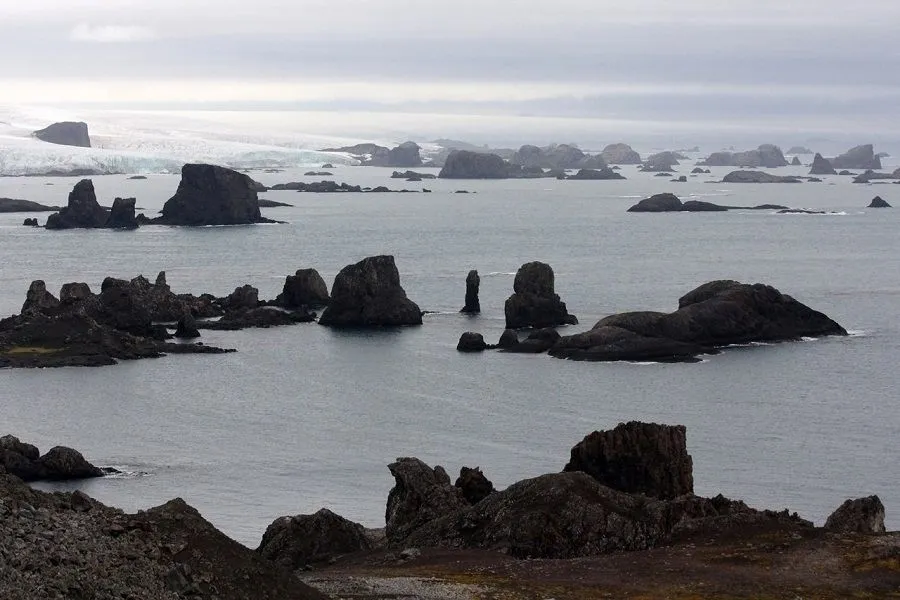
<point>805,61</point>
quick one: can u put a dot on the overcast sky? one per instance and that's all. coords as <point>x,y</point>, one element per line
<point>635,59</point>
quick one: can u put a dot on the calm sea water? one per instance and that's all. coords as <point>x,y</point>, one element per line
<point>304,417</point>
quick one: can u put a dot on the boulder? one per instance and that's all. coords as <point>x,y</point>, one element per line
<point>658,203</point>
<point>859,157</point>
<point>757,177</point>
<point>534,302</point>
<point>31,222</point>
<point>471,342</point>
<point>241,298</point>
<point>638,458</point>
<point>405,155</point>
<point>82,211</point>
<point>472,306</point>
<point>299,541</point>
<point>71,293</point>
<point>65,133</point>
<point>878,202</point>
<point>596,174</point>
<point>38,299</point>
<point>369,294</point>
<point>620,154</point>
<point>122,215</point>
<point>62,463</point>
<point>474,485</point>
<point>186,329</point>
<point>420,495</point>
<point>699,171</point>
<point>304,288</point>
<point>10,443</point>
<point>465,164</point>
<point>862,515</point>
<point>212,195</point>
<point>508,339</point>
<point>821,166</point>
<point>716,314</point>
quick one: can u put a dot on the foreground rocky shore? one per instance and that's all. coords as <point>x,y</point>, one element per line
<point>620,520</point>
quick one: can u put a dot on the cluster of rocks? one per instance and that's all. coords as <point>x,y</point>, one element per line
<point>331,187</point>
<point>468,164</point>
<point>767,155</point>
<point>626,489</point>
<point>758,177</point>
<point>83,211</point>
<point>556,157</point>
<point>412,175</point>
<point>405,155</point>
<point>671,203</point>
<point>59,463</point>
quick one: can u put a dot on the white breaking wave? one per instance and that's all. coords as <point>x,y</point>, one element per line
<point>147,143</point>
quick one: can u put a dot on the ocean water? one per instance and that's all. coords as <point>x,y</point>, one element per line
<point>304,417</point>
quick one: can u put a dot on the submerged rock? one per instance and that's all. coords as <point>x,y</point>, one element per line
<point>369,294</point>
<point>639,458</point>
<point>534,302</point>
<point>299,541</point>
<point>473,282</point>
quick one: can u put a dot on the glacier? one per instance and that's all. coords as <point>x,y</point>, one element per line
<point>134,142</point>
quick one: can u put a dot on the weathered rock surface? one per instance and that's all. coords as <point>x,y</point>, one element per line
<point>471,342</point>
<point>473,281</point>
<point>758,177</point>
<point>420,495</point>
<point>65,133</point>
<point>796,162</point>
<point>242,298</point>
<point>369,294</point>
<point>121,216</point>
<point>12,205</point>
<point>302,540</point>
<point>858,157</point>
<point>717,314</point>
<point>212,195</point>
<point>821,166</point>
<point>596,174</point>
<point>304,288</point>
<point>186,328</point>
<point>67,545</point>
<point>465,164</point>
<point>534,302</point>
<point>767,155</point>
<point>474,485</point>
<point>82,211</point>
<point>58,464</point>
<point>412,175</point>
<point>862,515</point>
<point>620,154</point>
<point>555,157</point>
<point>38,299</point>
<point>660,162</point>
<point>878,202</point>
<point>638,458</point>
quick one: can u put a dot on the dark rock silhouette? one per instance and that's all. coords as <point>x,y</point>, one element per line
<point>620,154</point>
<point>767,155</point>
<point>66,133</point>
<point>699,171</point>
<point>858,157</point>
<point>420,494</point>
<point>38,299</point>
<point>82,211</point>
<point>537,342</point>
<point>473,282</point>
<point>660,162</point>
<point>796,162</point>
<point>878,202</point>
<point>58,464</point>
<point>242,298</point>
<point>304,288</point>
<point>471,342</point>
<point>13,205</point>
<point>299,541</point>
<point>186,328</point>
<point>863,515</point>
<point>534,302</point>
<point>262,317</point>
<point>121,216</point>
<point>369,294</point>
<point>658,203</point>
<point>758,177</point>
<point>30,223</point>
<point>639,458</point>
<point>412,175</point>
<point>821,166</point>
<point>871,175</point>
<point>465,164</point>
<point>596,174</point>
<point>508,339</point>
<point>474,485</point>
<point>212,195</point>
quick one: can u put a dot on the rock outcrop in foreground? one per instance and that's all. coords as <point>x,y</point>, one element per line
<point>212,195</point>
<point>69,546</point>
<point>58,464</point>
<point>369,294</point>
<point>65,133</point>
<point>302,540</point>
<point>535,302</point>
<point>716,314</point>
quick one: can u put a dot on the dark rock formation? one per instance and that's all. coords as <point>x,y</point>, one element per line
<point>660,162</point>
<point>138,177</point>
<point>30,223</point>
<point>537,342</point>
<point>265,203</point>
<point>620,154</point>
<point>638,458</point>
<point>555,157</point>
<point>260,318</point>
<point>682,179</point>
<point>211,195</point>
<point>465,164</point>
<point>508,339</point>
<point>299,541</point>
<point>878,202</point>
<point>241,298</point>
<point>870,175</point>
<point>767,155</point>
<point>859,157</point>
<point>412,175</point>
<point>318,174</point>
<point>83,209</point>
<point>66,133</point>
<point>471,342</point>
<point>122,215</point>
<point>58,464</point>
<point>863,515</point>
<point>12,205</point>
<point>369,294</point>
<point>474,485</point>
<point>799,150</point>
<point>358,150</point>
<point>821,166</point>
<point>717,314</point>
<point>596,174</point>
<point>658,203</point>
<point>699,171</point>
<point>404,156</point>
<point>318,187</point>
<point>186,328</point>
<point>796,162</point>
<point>473,282</point>
<point>534,302</point>
<point>420,495</point>
<point>757,177</point>
<point>304,288</point>
<point>701,206</point>
<point>38,299</point>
